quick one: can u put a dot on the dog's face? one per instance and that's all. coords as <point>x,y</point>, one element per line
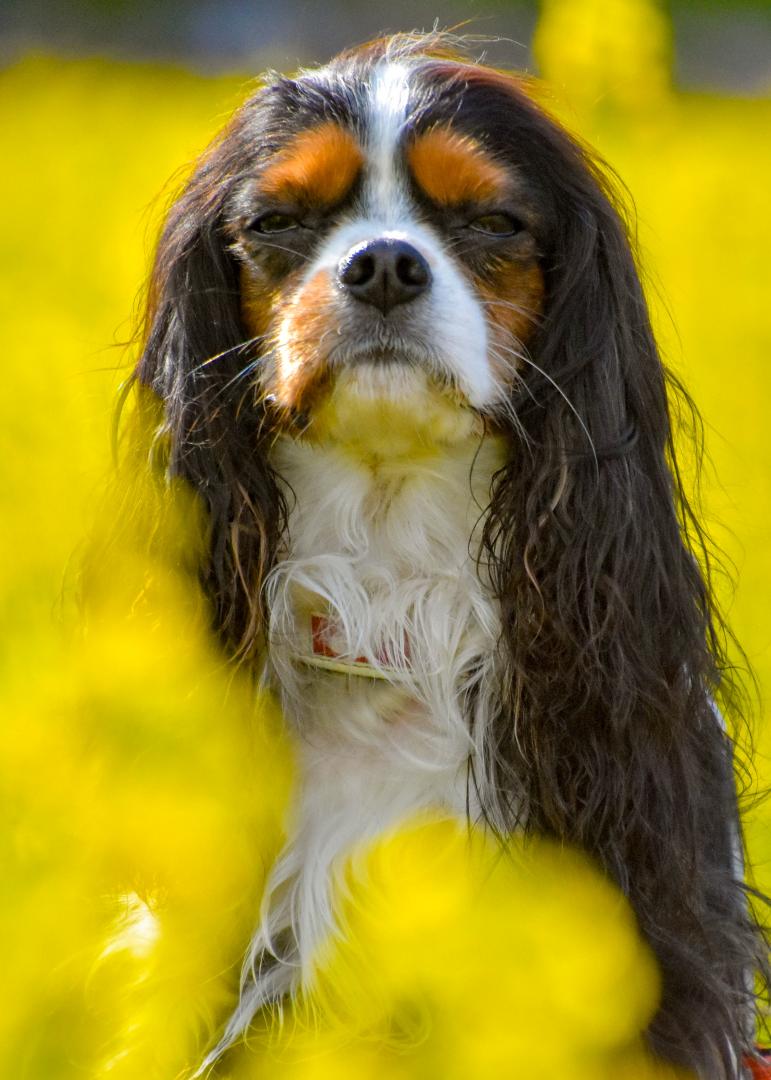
<point>389,240</point>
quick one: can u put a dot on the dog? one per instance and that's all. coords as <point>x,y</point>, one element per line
<point>405,358</point>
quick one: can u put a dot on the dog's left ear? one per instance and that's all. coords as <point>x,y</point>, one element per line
<point>199,360</point>
<point>606,614</point>
<point>612,647</point>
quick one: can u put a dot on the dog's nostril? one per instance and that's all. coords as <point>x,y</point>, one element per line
<point>358,271</point>
<point>384,273</point>
<point>412,271</point>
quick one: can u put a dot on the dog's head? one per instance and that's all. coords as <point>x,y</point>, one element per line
<point>400,226</point>
<point>389,229</point>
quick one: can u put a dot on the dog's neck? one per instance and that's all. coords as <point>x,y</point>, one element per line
<point>383,546</point>
<point>380,560</point>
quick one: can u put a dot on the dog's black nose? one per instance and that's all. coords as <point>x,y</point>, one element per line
<point>384,272</point>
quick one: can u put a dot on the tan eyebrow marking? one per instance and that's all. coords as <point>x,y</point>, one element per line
<point>453,168</point>
<point>319,166</point>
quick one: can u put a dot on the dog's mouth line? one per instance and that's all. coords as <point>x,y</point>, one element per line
<point>398,357</point>
<point>379,369</point>
<point>380,355</point>
<point>384,358</point>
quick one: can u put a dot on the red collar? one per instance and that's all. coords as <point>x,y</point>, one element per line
<point>760,1066</point>
<point>321,653</point>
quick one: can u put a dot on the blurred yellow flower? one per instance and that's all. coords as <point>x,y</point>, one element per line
<point>457,959</point>
<point>614,52</point>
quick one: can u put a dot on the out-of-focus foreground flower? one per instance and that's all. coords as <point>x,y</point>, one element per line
<point>456,960</point>
<point>145,788</point>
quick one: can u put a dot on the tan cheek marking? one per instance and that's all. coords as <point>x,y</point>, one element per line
<point>257,304</point>
<point>301,369</point>
<point>453,169</point>
<point>513,304</point>
<point>319,167</point>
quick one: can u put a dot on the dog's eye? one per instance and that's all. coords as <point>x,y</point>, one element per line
<point>500,224</point>
<point>273,222</point>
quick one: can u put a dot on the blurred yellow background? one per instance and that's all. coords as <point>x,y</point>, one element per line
<point>134,820</point>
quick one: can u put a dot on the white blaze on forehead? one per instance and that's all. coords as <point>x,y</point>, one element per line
<point>389,96</point>
<point>448,322</point>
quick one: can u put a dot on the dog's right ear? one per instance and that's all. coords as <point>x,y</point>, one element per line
<point>192,313</point>
<point>199,361</point>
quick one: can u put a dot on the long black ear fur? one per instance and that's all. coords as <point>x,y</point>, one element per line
<point>198,359</point>
<point>614,653</point>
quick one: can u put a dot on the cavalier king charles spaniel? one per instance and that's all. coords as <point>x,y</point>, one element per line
<point>406,360</point>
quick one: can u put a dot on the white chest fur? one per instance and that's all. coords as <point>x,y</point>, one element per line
<point>386,550</point>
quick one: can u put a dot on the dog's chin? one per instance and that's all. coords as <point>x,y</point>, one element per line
<point>384,408</point>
